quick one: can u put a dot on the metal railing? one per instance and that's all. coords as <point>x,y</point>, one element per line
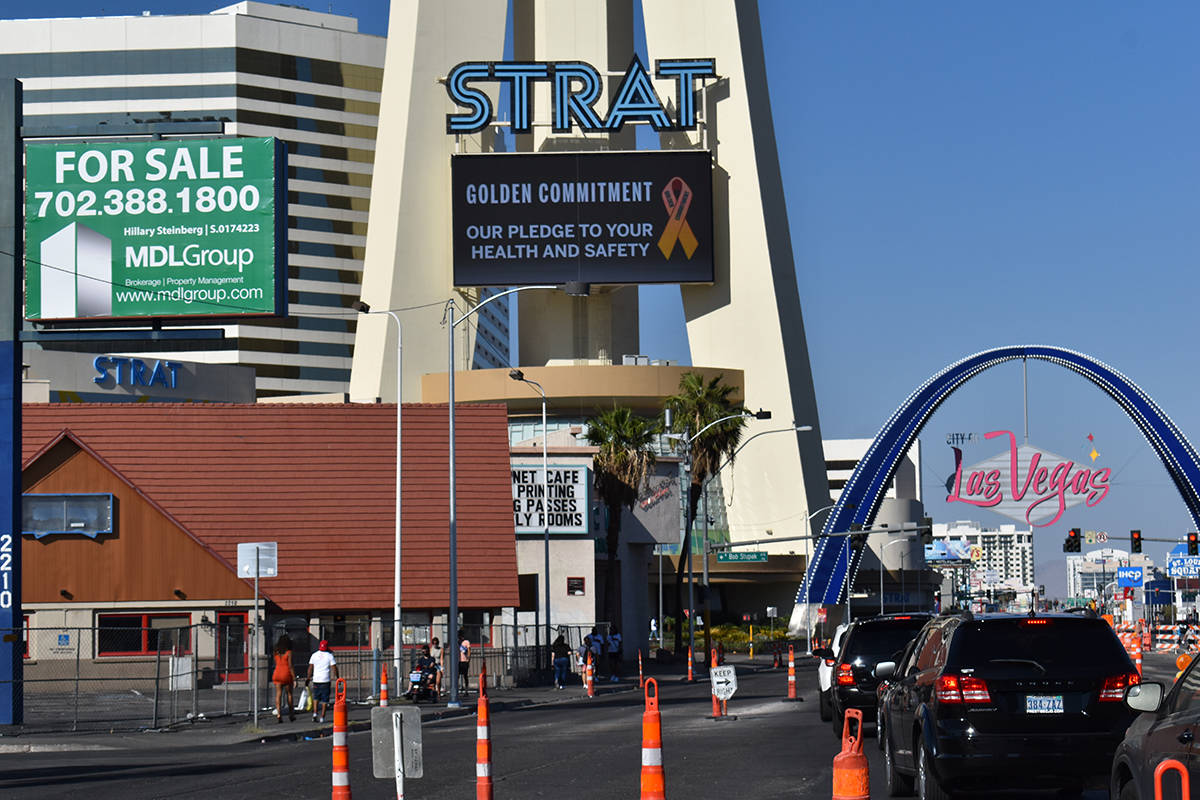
<point>148,678</point>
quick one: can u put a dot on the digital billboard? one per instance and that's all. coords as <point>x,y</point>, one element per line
<point>596,218</point>
<point>958,550</point>
<point>155,229</point>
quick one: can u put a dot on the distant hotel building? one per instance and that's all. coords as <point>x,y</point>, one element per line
<point>1088,574</point>
<point>249,69</point>
<point>1007,549</point>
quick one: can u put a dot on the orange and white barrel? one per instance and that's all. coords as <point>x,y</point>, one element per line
<point>341,753</point>
<point>653,779</point>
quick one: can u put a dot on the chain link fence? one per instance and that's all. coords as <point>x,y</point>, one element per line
<point>147,677</point>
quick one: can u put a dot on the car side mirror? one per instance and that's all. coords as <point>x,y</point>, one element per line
<point>822,652</point>
<point>885,669</point>
<point>1144,696</point>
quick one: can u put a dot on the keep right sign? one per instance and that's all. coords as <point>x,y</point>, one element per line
<point>724,682</point>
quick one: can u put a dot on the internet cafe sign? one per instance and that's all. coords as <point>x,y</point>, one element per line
<point>1027,484</point>
<point>574,89</point>
<point>564,509</point>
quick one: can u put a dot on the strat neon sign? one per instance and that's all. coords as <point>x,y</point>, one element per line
<point>575,87</point>
<point>1027,484</point>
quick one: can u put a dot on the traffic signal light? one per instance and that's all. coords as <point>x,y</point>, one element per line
<point>1073,541</point>
<point>1135,541</point>
<point>927,530</point>
<point>1192,544</point>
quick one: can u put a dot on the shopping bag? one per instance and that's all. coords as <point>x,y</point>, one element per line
<point>305,703</point>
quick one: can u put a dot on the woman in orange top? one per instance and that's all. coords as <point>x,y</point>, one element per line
<point>284,678</point>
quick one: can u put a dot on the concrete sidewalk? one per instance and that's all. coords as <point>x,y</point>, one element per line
<point>238,729</point>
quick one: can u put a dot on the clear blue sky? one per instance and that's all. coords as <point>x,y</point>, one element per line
<point>961,176</point>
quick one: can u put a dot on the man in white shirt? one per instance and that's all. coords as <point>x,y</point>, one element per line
<point>322,670</point>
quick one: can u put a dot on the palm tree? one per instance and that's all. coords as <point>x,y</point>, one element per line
<point>697,404</point>
<point>621,469</point>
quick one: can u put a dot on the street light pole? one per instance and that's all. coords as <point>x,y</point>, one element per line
<point>571,288</point>
<point>397,624</point>
<point>687,440</point>
<point>704,495</point>
<point>518,375</point>
<point>808,562</point>
<point>905,540</point>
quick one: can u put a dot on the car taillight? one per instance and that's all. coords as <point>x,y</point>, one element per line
<point>961,689</point>
<point>1115,686</point>
<point>845,675</point>
<point>975,690</point>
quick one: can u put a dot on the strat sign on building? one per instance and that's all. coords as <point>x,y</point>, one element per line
<point>155,229</point>
<point>1027,484</point>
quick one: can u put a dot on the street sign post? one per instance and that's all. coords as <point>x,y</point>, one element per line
<point>724,682</point>
<point>748,555</point>
<point>255,560</point>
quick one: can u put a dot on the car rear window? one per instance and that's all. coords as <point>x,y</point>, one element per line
<point>879,641</point>
<point>1056,644</point>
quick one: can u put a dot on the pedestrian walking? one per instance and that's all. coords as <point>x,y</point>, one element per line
<point>581,655</point>
<point>597,647</point>
<point>436,653</point>
<point>562,661</point>
<point>615,655</point>
<point>284,678</point>
<point>464,662</point>
<point>322,671</point>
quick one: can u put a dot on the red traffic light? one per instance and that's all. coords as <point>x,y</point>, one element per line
<point>1192,543</point>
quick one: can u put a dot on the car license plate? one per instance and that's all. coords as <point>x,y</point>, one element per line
<point>1043,704</point>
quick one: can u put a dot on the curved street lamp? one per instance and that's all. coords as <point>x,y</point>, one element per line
<point>572,288</point>
<point>518,375</point>
<point>397,625</point>
<point>704,495</point>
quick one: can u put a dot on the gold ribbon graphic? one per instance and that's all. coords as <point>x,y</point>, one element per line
<point>677,197</point>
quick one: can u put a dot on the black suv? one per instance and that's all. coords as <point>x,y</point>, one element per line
<point>866,643</point>
<point>1018,701</point>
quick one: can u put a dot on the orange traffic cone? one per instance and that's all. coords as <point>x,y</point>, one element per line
<point>341,755</point>
<point>851,775</point>
<point>483,742</point>
<point>653,780</point>
<point>589,677</point>
<point>716,703</point>
<point>791,673</point>
<point>691,658</point>
<point>383,697</point>
<point>641,678</point>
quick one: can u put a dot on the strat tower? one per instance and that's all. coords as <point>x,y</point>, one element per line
<point>519,170</point>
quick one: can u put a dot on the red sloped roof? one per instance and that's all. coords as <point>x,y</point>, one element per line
<point>319,480</point>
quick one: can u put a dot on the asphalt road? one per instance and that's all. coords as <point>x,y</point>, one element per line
<point>588,749</point>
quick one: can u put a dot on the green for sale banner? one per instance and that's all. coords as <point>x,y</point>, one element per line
<point>155,229</point>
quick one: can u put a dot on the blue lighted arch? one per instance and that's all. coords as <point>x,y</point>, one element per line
<point>833,563</point>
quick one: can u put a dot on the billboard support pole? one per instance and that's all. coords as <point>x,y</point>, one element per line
<point>11,233</point>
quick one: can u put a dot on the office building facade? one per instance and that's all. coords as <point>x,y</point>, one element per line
<point>249,69</point>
